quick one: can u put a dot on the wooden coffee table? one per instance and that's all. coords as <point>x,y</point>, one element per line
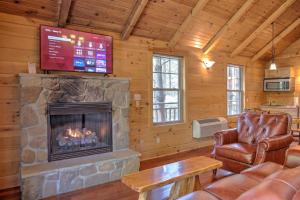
<point>184,173</point>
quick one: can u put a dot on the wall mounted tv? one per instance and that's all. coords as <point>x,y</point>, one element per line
<point>70,50</point>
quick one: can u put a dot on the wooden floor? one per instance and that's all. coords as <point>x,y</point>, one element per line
<point>118,191</point>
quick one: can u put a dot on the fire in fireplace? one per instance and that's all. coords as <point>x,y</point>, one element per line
<point>73,137</point>
<point>79,129</point>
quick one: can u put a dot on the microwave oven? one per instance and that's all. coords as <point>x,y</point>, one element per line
<point>279,84</point>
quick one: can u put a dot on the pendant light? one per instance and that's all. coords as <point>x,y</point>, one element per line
<point>273,64</point>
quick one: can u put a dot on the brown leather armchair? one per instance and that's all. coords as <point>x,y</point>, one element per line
<point>258,138</point>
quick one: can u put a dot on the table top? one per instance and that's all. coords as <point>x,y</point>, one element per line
<point>169,173</point>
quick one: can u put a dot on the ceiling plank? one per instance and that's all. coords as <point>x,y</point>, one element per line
<point>64,7</point>
<point>199,6</point>
<point>287,56</point>
<point>215,39</point>
<point>285,32</point>
<point>266,23</point>
<point>133,18</point>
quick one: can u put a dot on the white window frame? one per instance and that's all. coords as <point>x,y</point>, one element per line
<point>241,90</point>
<point>180,90</point>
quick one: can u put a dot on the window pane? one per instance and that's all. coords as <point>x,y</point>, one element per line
<point>234,103</point>
<point>156,64</point>
<point>165,65</point>
<point>166,106</point>
<point>174,66</point>
<point>163,96</point>
<point>233,78</point>
<point>166,89</point>
<point>234,90</point>
<point>166,113</point>
<point>165,81</point>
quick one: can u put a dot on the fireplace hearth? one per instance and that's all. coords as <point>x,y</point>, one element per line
<point>79,129</point>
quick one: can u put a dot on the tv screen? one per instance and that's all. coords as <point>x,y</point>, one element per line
<point>70,50</point>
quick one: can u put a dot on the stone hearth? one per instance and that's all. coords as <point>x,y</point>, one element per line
<point>40,178</point>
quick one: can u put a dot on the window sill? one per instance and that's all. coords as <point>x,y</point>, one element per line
<point>166,127</point>
<point>168,124</point>
<point>233,116</point>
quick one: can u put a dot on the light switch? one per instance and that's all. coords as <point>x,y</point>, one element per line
<point>137,97</point>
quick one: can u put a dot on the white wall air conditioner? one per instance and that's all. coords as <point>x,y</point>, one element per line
<point>208,127</point>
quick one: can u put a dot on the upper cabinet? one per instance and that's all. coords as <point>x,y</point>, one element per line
<point>282,72</point>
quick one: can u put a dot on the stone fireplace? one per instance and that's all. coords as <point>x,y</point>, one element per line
<point>74,133</point>
<point>79,129</point>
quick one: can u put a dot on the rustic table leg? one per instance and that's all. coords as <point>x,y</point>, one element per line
<point>182,187</point>
<point>190,185</point>
<point>143,196</point>
<point>197,185</point>
<point>177,189</point>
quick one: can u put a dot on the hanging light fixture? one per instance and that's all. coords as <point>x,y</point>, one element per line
<point>273,64</point>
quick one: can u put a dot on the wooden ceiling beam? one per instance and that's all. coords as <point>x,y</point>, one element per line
<point>215,39</point>
<point>199,6</point>
<point>133,18</point>
<point>279,37</point>
<point>64,7</point>
<point>266,23</point>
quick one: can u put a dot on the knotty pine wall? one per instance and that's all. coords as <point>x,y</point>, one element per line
<point>288,58</point>
<point>205,91</point>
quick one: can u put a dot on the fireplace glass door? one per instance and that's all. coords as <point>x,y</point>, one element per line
<point>79,129</point>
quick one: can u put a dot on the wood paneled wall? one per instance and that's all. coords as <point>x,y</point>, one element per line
<point>205,90</point>
<point>288,58</point>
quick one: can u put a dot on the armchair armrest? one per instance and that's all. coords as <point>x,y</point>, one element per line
<point>226,137</point>
<point>275,143</point>
<point>273,149</point>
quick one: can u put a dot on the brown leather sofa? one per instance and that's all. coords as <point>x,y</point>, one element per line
<point>259,137</point>
<point>266,181</point>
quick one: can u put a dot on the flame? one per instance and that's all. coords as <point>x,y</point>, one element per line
<point>73,133</point>
<point>76,133</point>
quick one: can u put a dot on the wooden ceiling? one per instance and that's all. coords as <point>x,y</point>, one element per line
<point>237,27</point>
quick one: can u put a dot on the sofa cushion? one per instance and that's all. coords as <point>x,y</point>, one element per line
<point>263,170</point>
<point>278,186</point>
<point>237,151</point>
<point>231,187</point>
<point>297,195</point>
<point>269,189</point>
<point>199,195</point>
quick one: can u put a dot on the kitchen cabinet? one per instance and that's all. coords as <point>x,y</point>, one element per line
<point>280,72</point>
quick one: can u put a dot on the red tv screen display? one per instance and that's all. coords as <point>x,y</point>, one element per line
<point>69,50</point>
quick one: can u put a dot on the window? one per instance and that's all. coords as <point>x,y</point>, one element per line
<point>167,89</point>
<point>234,89</point>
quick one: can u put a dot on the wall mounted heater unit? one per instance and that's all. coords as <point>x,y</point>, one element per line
<point>207,127</point>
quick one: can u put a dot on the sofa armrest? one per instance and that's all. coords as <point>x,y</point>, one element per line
<point>292,158</point>
<point>273,149</point>
<point>226,137</point>
<point>275,143</point>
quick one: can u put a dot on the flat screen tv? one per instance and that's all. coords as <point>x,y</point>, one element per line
<point>70,50</point>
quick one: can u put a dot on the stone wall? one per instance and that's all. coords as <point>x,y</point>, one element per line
<point>39,90</point>
<point>40,178</point>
